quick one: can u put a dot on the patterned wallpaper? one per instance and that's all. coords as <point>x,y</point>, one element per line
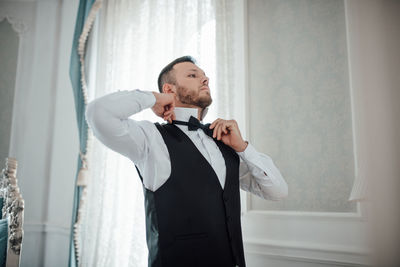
<point>8,68</point>
<point>300,108</point>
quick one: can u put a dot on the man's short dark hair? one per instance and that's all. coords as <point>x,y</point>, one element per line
<point>166,75</point>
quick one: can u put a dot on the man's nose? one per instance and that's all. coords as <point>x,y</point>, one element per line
<point>205,80</point>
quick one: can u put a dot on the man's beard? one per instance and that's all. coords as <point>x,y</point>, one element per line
<point>193,98</point>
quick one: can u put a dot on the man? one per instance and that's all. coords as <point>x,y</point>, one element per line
<point>191,173</point>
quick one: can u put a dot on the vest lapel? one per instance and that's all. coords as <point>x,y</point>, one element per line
<point>229,154</point>
<point>223,148</point>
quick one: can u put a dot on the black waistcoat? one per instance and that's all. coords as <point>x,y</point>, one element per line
<point>190,220</point>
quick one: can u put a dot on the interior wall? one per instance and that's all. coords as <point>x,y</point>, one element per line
<point>327,238</point>
<point>374,41</point>
<point>44,133</point>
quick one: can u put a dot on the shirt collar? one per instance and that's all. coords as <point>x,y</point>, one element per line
<point>183,114</point>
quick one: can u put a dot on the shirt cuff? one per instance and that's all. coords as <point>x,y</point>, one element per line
<point>148,100</point>
<point>249,153</point>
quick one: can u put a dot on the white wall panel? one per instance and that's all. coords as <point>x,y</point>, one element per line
<point>300,104</point>
<point>301,114</point>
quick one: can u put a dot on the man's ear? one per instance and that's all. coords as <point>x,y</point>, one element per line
<point>168,88</point>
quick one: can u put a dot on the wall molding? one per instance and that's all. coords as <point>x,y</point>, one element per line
<point>321,238</point>
<point>307,252</point>
<point>47,228</point>
<point>360,215</point>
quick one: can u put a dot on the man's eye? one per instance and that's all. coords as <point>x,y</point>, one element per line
<point>192,75</point>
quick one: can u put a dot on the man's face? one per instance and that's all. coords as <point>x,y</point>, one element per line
<point>191,85</point>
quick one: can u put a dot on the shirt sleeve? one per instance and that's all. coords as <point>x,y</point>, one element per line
<point>259,175</point>
<point>108,117</point>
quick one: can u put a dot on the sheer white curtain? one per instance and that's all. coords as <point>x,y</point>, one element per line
<point>132,40</point>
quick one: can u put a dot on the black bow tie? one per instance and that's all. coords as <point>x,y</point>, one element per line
<point>194,124</point>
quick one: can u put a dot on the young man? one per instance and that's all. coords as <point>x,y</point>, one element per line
<point>191,173</point>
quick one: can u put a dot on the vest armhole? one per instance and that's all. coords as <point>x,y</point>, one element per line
<point>161,129</point>
<point>158,125</point>
<point>140,175</point>
<point>168,129</point>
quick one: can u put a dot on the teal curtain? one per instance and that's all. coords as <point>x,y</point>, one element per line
<point>3,236</point>
<point>1,207</point>
<point>3,241</point>
<point>75,76</point>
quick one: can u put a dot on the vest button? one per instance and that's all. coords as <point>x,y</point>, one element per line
<point>226,198</point>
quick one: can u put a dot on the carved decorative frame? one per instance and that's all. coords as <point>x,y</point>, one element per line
<point>17,25</point>
<point>13,202</point>
<point>13,209</point>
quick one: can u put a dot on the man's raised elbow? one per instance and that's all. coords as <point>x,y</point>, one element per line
<point>90,113</point>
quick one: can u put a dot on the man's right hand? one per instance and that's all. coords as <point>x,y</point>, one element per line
<point>164,106</point>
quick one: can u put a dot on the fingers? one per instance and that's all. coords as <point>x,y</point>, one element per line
<point>214,123</point>
<point>168,109</point>
<point>215,126</point>
<point>219,132</point>
<point>164,102</point>
<point>215,132</point>
<point>169,115</point>
<point>224,129</point>
<point>169,119</point>
<point>221,127</point>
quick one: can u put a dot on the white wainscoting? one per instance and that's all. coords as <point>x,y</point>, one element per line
<point>46,244</point>
<point>46,228</point>
<point>274,238</point>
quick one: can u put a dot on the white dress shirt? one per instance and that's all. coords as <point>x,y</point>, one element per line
<point>142,143</point>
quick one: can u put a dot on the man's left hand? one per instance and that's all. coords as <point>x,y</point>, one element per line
<point>228,132</point>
